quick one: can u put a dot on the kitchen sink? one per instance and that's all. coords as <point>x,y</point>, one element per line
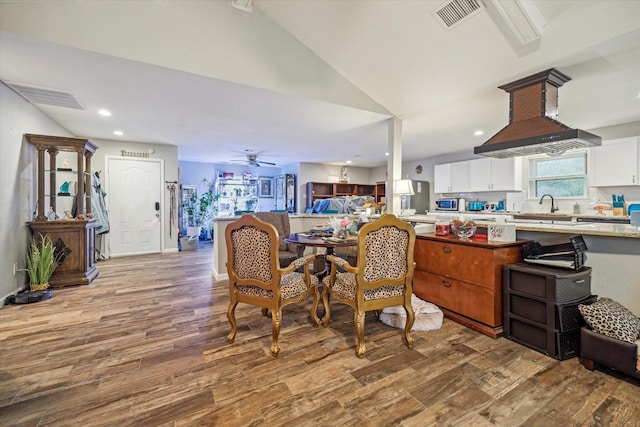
<point>544,218</point>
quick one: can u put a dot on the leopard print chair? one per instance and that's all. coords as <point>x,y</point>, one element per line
<point>256,278</point>
<point>382,277</point>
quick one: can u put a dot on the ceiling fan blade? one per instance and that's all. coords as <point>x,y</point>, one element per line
<point>267,163</point>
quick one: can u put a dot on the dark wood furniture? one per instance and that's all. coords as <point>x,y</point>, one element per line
<point>381,189</point>
<point>541,307</point>
<point>325,190</point>
<point>78,234</point>
<point>464,278</point>
<point>609,352</point>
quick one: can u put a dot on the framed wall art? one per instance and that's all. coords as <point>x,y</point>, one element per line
<point>265,187</point>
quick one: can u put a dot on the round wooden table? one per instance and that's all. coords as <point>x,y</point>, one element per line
<point>307,239</point>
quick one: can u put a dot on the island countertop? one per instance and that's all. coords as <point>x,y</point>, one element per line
<point>569,227</point>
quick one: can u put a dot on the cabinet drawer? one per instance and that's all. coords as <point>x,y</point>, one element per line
<point>551,284</point>
<point>467,263</point>
<point>470,300</point>
<point>528,308</point>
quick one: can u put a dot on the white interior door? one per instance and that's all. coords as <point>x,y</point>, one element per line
<point>134,191</point>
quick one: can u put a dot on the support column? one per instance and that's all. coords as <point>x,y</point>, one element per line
<point>394,164</point>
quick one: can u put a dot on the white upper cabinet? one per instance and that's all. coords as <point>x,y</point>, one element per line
<point>450,178</point>
<point>495,174</point>
<point>615,163</point>
<point>479,175</point>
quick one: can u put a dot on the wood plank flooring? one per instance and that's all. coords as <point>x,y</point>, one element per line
<point>145,345</point>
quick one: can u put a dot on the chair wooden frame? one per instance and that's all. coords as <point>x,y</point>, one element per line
<point>276,302</point>
<point>359,304</point>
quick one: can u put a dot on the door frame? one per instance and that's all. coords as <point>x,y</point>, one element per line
<point>107,158</point>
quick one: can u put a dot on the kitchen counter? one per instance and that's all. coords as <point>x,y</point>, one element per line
<point>565,227</point>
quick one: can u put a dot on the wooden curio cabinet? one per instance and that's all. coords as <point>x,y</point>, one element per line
<point>59,183</point>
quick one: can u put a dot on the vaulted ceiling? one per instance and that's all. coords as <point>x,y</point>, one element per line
<point>317,80</point>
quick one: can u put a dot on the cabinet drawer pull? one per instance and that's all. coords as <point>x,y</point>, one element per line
<point>446,249</point>
<point>446,284</point>
<point>579,281</point>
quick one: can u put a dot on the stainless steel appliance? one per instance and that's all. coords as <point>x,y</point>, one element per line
<point>447,204</point>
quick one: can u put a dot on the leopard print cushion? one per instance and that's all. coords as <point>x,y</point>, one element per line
<point>252,255</point>
<point>385,253</point>
<point>252,260</point>
<point>345,286</point>
<point>610,318</point>
<point>291,285</point>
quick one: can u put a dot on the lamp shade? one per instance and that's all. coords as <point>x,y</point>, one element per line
<point>404,187</point>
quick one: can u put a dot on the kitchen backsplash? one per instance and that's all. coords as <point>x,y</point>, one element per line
<point>565,206</point>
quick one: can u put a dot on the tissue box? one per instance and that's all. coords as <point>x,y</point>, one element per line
<point>501,233</point>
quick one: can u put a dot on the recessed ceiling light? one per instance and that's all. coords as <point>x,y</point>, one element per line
<point>348,162</point>
<point>104,112</point>
<point>478,132</point>
<point>386,154</point>
<point>118,132</point>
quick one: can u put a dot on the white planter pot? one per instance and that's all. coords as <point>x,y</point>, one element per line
<point>193,232</point>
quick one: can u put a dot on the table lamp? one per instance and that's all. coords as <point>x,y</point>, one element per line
<point>403,188</point>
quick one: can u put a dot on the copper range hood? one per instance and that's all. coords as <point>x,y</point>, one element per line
<point>533,128</point>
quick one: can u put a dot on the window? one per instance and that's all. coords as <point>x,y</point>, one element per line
<point>560,176</point>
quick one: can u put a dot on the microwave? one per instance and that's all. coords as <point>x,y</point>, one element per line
<point>447,204</point>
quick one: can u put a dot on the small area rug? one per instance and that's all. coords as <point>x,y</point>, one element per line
<point>428,316</point>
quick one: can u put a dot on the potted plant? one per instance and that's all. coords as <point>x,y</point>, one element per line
<point>193,221</point>
<point>43,258</point>
<point>200,212</point>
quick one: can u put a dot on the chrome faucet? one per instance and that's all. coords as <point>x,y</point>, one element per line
<point>553,208</point>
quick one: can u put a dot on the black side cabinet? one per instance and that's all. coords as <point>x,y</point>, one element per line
<point>540,307</point>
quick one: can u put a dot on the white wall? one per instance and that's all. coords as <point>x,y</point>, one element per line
<point>169,153</point>
<point>17,183</point>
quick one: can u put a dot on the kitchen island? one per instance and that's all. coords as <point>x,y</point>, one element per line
<point>613,253</point>
<point>613,250</point>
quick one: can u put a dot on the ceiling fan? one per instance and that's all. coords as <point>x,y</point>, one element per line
<point>252,160</point>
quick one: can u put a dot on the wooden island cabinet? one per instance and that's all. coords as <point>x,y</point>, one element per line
<point>464,278</point>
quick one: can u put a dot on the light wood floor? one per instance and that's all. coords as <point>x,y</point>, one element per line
<point>144,345</point>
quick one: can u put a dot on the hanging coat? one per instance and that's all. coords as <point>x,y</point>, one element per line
<point>98,206</point>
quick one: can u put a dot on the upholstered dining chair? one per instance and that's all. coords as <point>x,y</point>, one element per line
<point>256,278</point>
<point>280,220</point>
<point>381,278</point>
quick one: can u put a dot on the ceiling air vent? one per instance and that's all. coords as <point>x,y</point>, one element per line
<point>453,13</point>
<point>39,95</point>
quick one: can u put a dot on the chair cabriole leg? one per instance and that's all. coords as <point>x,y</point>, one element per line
<point>231,315</point>
<point>276,317</point>
<point>359,321</point>
<point>314,309</point>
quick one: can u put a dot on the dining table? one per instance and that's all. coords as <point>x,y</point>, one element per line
<point>315,240</point>
<point>322,240</point>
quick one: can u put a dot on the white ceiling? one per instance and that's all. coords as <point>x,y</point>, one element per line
<point>314,80</point>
